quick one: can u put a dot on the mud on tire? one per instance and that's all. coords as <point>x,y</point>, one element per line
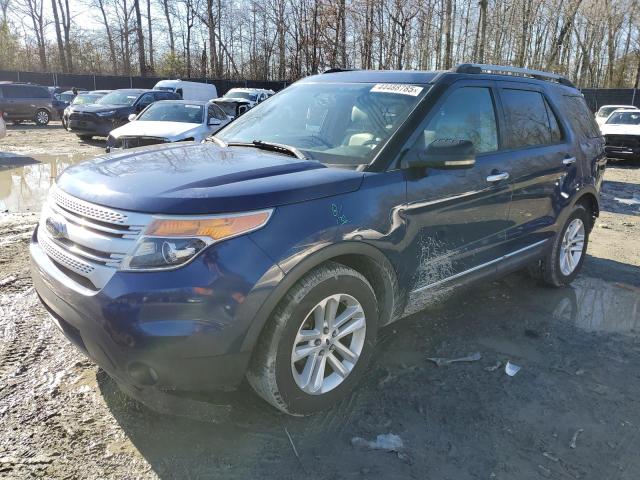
<point>271,371</point>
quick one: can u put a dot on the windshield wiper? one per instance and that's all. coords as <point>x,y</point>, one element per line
<point>274,147</point>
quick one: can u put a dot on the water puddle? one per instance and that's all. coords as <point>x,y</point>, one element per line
<point>25,181</point>
<point>595,305</point>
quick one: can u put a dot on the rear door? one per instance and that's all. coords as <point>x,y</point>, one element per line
<point>16,104</point>
<point>541,164</point>
<point>456,219</point>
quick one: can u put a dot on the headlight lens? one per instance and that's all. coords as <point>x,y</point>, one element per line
<point>169,242</point>
<point>106,114</point>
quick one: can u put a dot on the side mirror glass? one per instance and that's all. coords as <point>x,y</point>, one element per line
<point>444,154</point>
<point>214,121</point>
<point>132,117</point>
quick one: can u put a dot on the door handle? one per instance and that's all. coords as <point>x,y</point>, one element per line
<point>497,177</point>
<point>569,160</point>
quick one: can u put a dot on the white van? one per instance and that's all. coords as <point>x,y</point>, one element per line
<point>189,90</point>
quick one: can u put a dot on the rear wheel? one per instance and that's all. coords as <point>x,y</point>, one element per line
<point>42,117</point>
<point>318,341</point>
<point>563,263</point>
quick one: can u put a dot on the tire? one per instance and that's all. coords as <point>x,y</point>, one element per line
<point>85,137</point>
<point>42,117</point>
<point>272,367</point>
<point>551,269</point>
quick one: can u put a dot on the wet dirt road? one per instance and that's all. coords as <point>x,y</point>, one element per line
<point>572,411</point>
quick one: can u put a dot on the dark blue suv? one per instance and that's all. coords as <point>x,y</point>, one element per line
<point>276,250</point>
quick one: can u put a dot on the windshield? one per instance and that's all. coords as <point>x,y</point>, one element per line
<point>228,108</point>
<point>625,118</point>
<point>84,99</point>
<point>606,111</point>
<point>65,97</point>
<point>122,97</point>
<point>173,112</point>
<point>244,95</point>
<point>333,123</point>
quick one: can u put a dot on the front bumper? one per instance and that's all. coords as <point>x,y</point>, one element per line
<point>629,153</point>
<point>92,125</point>
<point>169,331</point>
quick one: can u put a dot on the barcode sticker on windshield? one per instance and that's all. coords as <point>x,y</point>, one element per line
<point>399,88</point>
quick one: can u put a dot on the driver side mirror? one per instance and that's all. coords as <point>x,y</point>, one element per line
<point>132,117</point>
<point>214,122</point>
<point>444,154</point>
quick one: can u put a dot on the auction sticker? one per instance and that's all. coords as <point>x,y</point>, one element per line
<point>399,88</point>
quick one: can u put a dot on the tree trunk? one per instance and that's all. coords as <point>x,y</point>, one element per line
<point>56,21</point>
<point>140,36</point>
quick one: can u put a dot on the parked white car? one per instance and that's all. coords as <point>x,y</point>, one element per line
<point>168,121</point>
<point>603,112</point>
<point>253,95</point>
<point>189,90</point>
<point>621,133</point>
<point>3,127</point>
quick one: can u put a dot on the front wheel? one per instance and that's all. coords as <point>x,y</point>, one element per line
<point>318,341</point>
<point>42,118</point>
<point>563,263</point>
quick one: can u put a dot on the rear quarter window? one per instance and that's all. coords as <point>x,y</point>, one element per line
<point>580,116</point>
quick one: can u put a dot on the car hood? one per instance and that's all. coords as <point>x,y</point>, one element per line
<point>612,129</point>
<point>95,107</point>
<point>154,129</point>
<point>202,178</point>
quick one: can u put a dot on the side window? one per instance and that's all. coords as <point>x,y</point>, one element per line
<point>526,116</point>
<point>466,114</point>
<point>179,92</point>
<point>146,100</point>
<point>580,116</point>
<point>13,91</point>
<point>216,112</point>
<point>554,126</point>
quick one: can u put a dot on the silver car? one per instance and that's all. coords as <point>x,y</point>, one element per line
<point>169,121</point>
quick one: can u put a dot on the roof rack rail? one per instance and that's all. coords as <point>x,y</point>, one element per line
<point>337,70</point>
<point>515,71</point>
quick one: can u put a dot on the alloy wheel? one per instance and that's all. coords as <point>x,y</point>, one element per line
<point>42,118</point>
<point>572,246</point>
<point>328,344</point>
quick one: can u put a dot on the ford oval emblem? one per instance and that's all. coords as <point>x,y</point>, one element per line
<point>56,226</point>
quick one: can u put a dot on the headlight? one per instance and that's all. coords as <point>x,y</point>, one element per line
<point>106,114</point>
<point>170,242</point>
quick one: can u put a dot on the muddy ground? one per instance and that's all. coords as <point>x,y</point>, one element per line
<point>571,412</point>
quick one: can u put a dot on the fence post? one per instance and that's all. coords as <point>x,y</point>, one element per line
<point>94,83</point>
<point>633,98</point>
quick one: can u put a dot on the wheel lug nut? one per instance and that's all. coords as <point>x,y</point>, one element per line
<point>335,333</point>
<point>317,343</point>
<point>326,330</point>
<point>321,353</point>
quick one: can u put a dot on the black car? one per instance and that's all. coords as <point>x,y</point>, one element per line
<point>111,111</point>
<point>26,102</point>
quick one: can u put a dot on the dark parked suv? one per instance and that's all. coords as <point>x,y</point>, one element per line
<point>349,200</point>
<point>111,111</point>
<point>25,102</point>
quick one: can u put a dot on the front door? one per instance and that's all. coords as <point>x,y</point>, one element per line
<point>456,219</point>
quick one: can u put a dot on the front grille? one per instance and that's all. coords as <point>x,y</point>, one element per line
<point>628,141</point>
<point>81,116</point>
<point>133,142</point>
<point>96,238</point>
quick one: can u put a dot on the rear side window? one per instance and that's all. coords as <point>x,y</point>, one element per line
<point>580,116</point>
<point>13,91</point>
<point>466,114</point>
<point>528,119</point>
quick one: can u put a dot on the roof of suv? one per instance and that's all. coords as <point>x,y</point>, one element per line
<point>472,71</point>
